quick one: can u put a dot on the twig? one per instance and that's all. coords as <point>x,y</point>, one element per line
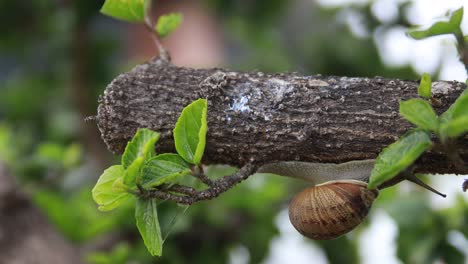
<point>141,189</point>
<point>200,174</point>
<point>180,189</point>
<point>149,25</point>
<point>219,186</point>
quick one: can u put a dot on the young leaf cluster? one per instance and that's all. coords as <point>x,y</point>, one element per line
<point>142,169</point>
<point>134,11</point>
<point>452,26</point>
<point>401,154</point>
<point>168,23</point>
<point>447,127</point>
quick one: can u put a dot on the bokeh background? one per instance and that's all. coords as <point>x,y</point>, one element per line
<point>57,56</point>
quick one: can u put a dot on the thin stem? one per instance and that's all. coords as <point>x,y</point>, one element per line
<point>162,195</point>
<point>141,189</point>
<point>199,173</point>
<point>149,25</point>
<point>462,47</point>
<point>181,189</point>
<point>219,186</point>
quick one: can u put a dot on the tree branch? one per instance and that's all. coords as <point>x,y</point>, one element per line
<point>261,118</point>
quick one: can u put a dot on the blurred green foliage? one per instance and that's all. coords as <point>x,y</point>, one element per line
<point>118,255</point>
<point>56,57</point>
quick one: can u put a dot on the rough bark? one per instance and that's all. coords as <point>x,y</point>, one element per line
<point>261,118</point>
<point>25,235</point>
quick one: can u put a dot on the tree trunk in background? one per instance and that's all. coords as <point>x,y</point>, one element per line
<point>81,85</point>
<point>262,118</point>
<point>26,237</point>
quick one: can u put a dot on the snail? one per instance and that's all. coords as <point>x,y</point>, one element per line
<point>339,199</point>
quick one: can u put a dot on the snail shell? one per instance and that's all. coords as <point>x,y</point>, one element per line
<point>329,210</point>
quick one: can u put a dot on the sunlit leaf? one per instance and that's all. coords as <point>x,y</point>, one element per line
<point>458,109</point>
<point>455,127</point>
<point>168,23</point>
<point>146,216</point>
<point>119,186</point>
<point>420,113</point>
<point>425,86</point>
<point>452,26</point>
<point>398,156</point>
<point>128,10</point>
<point>142,145</point>
<point>190,131</point>
<point>457,17</point>
<point>133,172</point>
<point>163,168</point>
<point>453,120</point>
<point>103,192</point>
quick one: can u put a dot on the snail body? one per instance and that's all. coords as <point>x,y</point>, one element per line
<point>339,199</point>
<point>337,202</point>
<point>317,173</point>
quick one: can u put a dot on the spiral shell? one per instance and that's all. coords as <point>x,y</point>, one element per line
<point>329,210</point>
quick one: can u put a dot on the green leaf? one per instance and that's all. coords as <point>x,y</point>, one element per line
<point>163,168</point>
<point>420,113</point>
<point>168,23</point>
<point>457,17</point>
<point>148,224</point>
<point>72,155</point>
<point>453,120</point>
<point>455,127</point>
<point>458,109</point>
<point>425,86</point>
<point>133,172</point>
<point>128,10</point>
<point>49,152</point>
<point>398,156</point>
<point>119,186</point>
<point>442,27</point>
<point>103,193</point>
<point>142,145</point>
<point>120,254</point>
<point>190,131</point>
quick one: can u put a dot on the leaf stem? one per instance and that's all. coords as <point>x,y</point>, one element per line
<point>219,186</point>
<point>199,173</point>
<point>149,25</point>
<point>180,189</point>
<point>141,189</point>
